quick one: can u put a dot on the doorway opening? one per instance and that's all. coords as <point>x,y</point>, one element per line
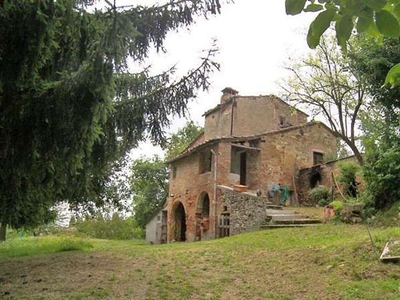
<point>179,223</point>
<point>203,216</point>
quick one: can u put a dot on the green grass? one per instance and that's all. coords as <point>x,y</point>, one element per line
<point>327,262</point>
<point>30,246</point>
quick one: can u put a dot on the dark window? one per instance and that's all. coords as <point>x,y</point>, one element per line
<point>318,158</point>
<point>282,121</point>
<point>254,143</point>
<point>205,161</point>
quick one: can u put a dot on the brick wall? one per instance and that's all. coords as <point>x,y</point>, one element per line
<point>188,187</point>
<point>284,153</point>
<point>251,115</point>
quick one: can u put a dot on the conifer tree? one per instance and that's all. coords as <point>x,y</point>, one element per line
<point>70,106</point>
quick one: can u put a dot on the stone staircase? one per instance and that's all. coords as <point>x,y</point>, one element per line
<point>281,218</point>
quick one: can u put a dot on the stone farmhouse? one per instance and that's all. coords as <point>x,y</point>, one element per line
<point>251,148</point>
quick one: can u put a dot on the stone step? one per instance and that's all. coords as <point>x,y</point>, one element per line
<point>273,207</point>
<point>285,216</point>
<point>271,212</point>
<point>296,221</point>
<point>275,226</point>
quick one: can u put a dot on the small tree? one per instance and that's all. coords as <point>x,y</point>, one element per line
<point>325,83</point>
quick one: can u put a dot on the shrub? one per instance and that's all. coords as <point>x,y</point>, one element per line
<point>114,228</point>
<point>347,177</point>
<point>319,195</point>
<point>337,205</point>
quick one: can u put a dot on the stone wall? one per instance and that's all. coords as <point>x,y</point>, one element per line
<point>247,212</point>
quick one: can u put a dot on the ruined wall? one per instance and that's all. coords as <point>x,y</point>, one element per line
<point>308,177</point>
<point>247,212</point>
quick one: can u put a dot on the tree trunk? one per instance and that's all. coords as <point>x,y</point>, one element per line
<point>3,228</point>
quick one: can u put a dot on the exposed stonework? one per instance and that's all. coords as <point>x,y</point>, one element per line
<point>246,211</point>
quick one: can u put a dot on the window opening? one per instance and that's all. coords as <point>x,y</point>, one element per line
<point>318,158</point>
<point>205,161</point>
<point>174,171</point>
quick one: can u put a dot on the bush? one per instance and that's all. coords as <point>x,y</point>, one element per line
<point>347,177</point>
<point>113,228</point>
<point>337,205</point>
<point>382,176</point>
<point>319,195</point>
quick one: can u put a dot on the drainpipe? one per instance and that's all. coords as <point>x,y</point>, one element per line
<point>215,193</point>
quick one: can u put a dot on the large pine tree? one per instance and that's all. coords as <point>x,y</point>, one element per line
<point>69,104</point>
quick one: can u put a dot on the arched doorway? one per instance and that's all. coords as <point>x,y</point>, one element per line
<point>202,216</point>
<point>179,222</point>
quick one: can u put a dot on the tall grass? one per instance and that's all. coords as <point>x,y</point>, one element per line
<point>39,245</point>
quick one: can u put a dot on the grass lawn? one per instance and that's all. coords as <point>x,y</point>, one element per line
<point>326,262</point>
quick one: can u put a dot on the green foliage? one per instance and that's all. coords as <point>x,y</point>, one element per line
<point>382,175</point>
<point>380,123</point>
<point>337,205</point>
<point>320,195</point>
<point>375,18</point>
<point>387,217</point>
<point>149,187</point>
<point>182,139</point>
<point>348,173</point>
<point>70,106</point>
<point>39,245</point>
<point>114,228</point>
<point>374,62</point>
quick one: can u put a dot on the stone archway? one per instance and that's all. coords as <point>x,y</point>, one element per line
<point>179,222</point>
<point>202,216</point>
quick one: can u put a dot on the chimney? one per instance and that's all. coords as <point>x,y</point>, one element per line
<point>227,94</point>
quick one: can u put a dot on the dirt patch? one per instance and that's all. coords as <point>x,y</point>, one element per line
<point>81,275</point>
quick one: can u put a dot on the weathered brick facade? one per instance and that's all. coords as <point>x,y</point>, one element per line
<point>255,141</point>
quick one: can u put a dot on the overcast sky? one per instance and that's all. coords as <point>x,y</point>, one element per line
<point>255,38</point>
